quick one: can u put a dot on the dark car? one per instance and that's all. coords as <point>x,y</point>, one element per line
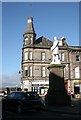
<point>21,101</point>
<point>36,99</point>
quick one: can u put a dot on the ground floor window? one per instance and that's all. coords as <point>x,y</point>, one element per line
<point>42,90</point>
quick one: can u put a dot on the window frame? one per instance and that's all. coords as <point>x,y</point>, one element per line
<point>26,40</point>
<point>30,55</point>
<point>43,71</point>
<point>26,71</point>
<point>62,57</point>
<point>77,58</point>
<point>30,71</point>
<point>77,72</point>
<point>43,56</point>
<point>26,55</point>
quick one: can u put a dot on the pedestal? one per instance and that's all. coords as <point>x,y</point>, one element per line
<point>57,94</point>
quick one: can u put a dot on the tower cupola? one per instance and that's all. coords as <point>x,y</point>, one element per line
<point>29,35</point>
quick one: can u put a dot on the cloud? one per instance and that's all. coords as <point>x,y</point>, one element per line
<point>10,81</point>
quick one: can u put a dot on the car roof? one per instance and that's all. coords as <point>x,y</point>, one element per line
<point>31,92</point>
<point>23,92</point>
<point>17,92</point>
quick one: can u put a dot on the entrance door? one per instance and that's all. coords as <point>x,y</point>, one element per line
<point>77,89</point>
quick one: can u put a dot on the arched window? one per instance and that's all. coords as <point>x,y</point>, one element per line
<point>26,40</point>
<point>77,73</point>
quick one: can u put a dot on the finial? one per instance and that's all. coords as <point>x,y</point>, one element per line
<point>30,19</point>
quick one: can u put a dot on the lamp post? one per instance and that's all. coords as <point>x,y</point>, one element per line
<point>21,82</point>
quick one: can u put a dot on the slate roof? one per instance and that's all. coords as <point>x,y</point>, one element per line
<point>42,41</point>
<point>30,27</point>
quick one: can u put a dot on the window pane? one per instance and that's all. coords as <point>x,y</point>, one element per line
<point>43,72</point>
<point>43,55</point>
<point>26,56</point>
<point>30,71</point>
<point>30,55</point>
<point>62,56</point>
<point>31,40</point>
<point>77,75</point>
<point>26,40</point>
<point>12,95</point>
<point>77,58</point>
<point>26,71</point>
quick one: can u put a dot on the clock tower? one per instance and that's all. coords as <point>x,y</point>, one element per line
<point>29,35</point>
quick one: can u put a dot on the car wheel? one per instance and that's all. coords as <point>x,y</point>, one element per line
<point>19,109</point>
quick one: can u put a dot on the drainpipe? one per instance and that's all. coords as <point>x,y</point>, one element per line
<point>69,81</point>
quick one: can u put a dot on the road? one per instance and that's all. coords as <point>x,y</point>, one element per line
<point>33,115</point>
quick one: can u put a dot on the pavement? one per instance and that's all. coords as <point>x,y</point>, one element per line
<point>73,109</point>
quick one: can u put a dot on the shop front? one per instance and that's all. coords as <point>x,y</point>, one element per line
<point>41,87</point>
<point>76,88</point>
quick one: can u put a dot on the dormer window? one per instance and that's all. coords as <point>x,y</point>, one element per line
<point>40,43</point>
<point>62,58</point>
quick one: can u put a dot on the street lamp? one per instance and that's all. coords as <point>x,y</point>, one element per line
<point>21,82</point>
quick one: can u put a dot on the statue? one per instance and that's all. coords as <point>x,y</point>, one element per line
<point>55,52</point>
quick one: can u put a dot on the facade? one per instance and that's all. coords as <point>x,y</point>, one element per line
<point>75,69</point>
<point>71,57</point>
<point>36,56</point>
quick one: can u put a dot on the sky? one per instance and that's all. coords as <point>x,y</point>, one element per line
<point>49,18</point>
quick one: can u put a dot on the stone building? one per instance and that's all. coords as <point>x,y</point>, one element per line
<point>36,56</point>
<point>71,57</point>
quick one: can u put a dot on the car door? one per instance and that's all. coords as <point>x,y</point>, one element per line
<point>34,99</point>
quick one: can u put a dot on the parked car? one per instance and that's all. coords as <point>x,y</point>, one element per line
<point>34,96</point>
<point>21,101</point>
